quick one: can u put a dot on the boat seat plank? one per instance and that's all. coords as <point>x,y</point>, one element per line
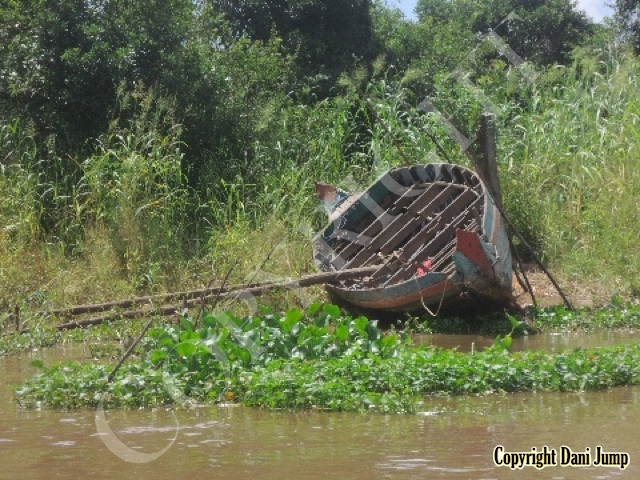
<point>396,232</point>
<point>426,250</point>
<point>363,236</point>
<point>432,243</point>
<point>441,238</point>
<point>458,205</point>
<point>374,234</point>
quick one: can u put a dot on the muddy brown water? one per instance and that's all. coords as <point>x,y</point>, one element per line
<point>451,438</point>
<point>551,342</point>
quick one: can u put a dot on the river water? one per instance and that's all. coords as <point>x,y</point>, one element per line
<point>550,342</point>
<point>451,438</point>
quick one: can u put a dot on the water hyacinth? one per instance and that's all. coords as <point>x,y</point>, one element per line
<point>317,359</point>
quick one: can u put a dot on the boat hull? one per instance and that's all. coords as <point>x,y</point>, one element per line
<point>436,213</point>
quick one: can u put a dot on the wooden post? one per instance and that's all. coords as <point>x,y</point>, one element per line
<point>487,164</point>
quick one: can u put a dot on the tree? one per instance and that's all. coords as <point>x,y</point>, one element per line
<point>437,44</point>
<point>541,31</point>
<point>65,59</point>
<point>628,18</point>
<point>327,37</point>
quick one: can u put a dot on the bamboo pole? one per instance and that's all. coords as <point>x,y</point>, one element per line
<point>128,352</point>
<point>127,303</point>
<point>255,290</point>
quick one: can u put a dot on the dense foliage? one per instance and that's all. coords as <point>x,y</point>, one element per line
<point>628,17</point>
<point>542,31</point>
<point>146,144</point>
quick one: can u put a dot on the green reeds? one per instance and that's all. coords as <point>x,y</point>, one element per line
<point>130,211</point>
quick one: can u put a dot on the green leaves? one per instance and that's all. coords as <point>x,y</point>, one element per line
<point>157,356</point>
<point>617,314</point>
<point>228,349</point>
<point>544,32</point>
<point>321,359</point>
<point>186,324</point>
<point>628,19</point>
<point>37,363</point>
<point>291,318</point>
<point>341,332</point>
<point>81,385</point>
<point>503,342</point>
<point>332,310</point>
<point>515,323</point>
<point>189,349</point>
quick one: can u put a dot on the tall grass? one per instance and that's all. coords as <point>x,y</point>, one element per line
<point>571,168</point>
<point>111,227</point>
<point>568,155</point>
<point>125,221</point>
<point>20,208</point>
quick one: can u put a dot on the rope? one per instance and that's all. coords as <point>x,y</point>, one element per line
<point>444,290</point>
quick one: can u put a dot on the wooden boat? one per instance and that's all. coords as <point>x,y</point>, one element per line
<point>433,229</point>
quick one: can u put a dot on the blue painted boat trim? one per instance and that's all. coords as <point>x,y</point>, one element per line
<point>434,287</point>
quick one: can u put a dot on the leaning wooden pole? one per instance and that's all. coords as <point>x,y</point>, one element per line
<point>127,303</point>
<point>487,167</point>
<point>486,158</point>
<point>128,352</point>
<point>256,290</point>
<point>537,259</point>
